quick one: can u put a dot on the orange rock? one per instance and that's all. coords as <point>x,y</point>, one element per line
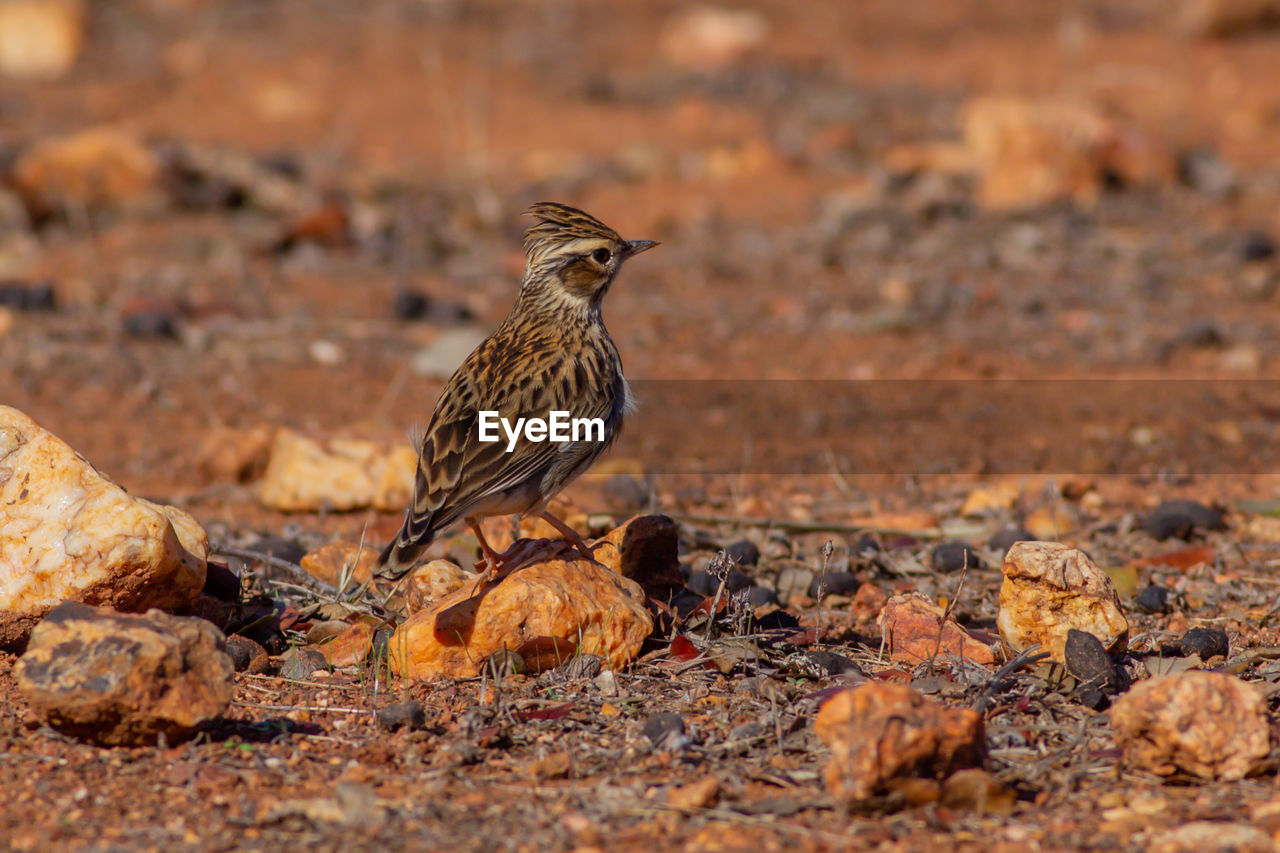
<point>880,732</point>
<point>68,533</point>
<point>990,498</point>
<point>40,39</point>
<point>1050,524</point>
<point>237,455</point>
<point>349,648</point>
<point>919,522</point>
<point>342,474</point>
<point>646,550</point>
<point>867,602</point>
<point>710,37</point>
<point>914,631</point>
<point>1049,589</point>
<point>1208,724</point>
<point>569,605</point>
<point>330,561</point>
<point>95,169</point>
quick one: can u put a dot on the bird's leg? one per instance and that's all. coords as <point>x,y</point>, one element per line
<point>570,534</point>
<point>492,560</point>
<point>498,564</point>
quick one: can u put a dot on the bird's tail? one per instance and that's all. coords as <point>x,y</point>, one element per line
<point>399,556</point>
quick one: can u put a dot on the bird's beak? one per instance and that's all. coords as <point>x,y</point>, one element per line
<point>635,247</point>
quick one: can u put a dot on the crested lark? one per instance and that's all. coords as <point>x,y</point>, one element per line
<point>552,353</point>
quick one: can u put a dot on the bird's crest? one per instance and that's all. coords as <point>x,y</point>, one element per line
<point>558,224</point>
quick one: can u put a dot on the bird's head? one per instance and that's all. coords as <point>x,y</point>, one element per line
<point>574,253</point>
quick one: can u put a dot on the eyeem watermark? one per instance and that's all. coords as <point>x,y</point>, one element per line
<point>559,427</point>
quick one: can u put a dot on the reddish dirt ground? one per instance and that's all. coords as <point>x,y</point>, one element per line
<point>792,249</point>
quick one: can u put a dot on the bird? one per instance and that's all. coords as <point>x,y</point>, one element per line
<point>551,353</point>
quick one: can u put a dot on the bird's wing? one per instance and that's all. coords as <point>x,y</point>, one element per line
<point>457,471</point>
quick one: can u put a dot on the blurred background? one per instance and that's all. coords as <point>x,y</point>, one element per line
<point>218,217</point>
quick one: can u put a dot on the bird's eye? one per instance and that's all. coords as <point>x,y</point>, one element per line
<point>601,255</point>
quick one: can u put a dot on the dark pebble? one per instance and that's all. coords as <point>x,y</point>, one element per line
<point>866,545</point>
<point>581,666</point>
<point>777,620</point>
<point>300,663</point>
<point>25,296</point>
<point>1002,540</point>
<point>1257,246</point>
<point>685,601</point>
<point>281,549</point>
<point>953,556</point>
<point>1153,599</point>
<point>1206,172</point>
<point>381,645</point>
<point>221,583</point>
<point>1089,662</point>
<point>150,324</point>
<point>834,583</point>
<point>624,492</point>
<point>758,596</point>
<point>665,730</point>
<point>284,163</point>
<point>744,552</point>
<point>832,663</point>
<point>1206,642</point>
<point>269,638</point>
<point>705,583</point>
<point>1091,697</point>
<point>1180,518</point>
<point>409,713</point>
<point>410,305</point>
<point>247,655</point>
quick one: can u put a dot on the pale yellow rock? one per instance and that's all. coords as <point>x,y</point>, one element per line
<point>68,533</point>
<point>432,582</point>
<point>545,612</point>
<point>40,39</point>
<point>990,498</point>
<point>1049,589</point>
<point>708,37</point>
<point>342,474</point>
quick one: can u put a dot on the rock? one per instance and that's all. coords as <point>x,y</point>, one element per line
<point>235,455</point>
<point>300,664</point>
<point>1153,599</point>
<point>433,581</point>
<point>1033,152</point>
<point>744,552</point>
<point>1256,246</point>
<point>1206,172</point>
<point>94,170</point>
<point>342,474</point>
<point>793,581</point>
<point>1181,518</point>
<point>350,648</point>
<point>1049,589</point>
<point>1226,18</point>
<point>546,612</point>
<point>832,664</point>
<point>991,499</point>
<point>914,631</point>
<point>953,556</point>
<point>331,561</point>
<point>68,533</point>
<point>1002,540</point>
<point>40,39</point>
<point>833,583</point>
<point>117,679</point>
<point>880,732</point>
<point>702,794</point>
<point>626,493</point>
<point>759,596</point>
<point>706,583</point>
<point>707,38</point>
<point>1089,662</point>
<point>976,790</point>
<point>247,655</point>
<point>1050,523</point>
<point>665,730</point>
<point>410,304</point>
<point>440,358</point>
<point>149,318</point>
<point>407,714</point>
<point>645,549</point>
<point>1205,642</point>
<point>1207,724</point>
<point>28,296</point>
<point>1212,836</point>
<point>501,534</point>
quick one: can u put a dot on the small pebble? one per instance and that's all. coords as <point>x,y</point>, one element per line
<point>866,545</point>
<point>685,601</point>
<point>705,583</point>
<point>581,666</point>
<point>1206,642</point>
<point>299,664</point>
<point>1257,246</point>
<point>743,552</point>
<point>409,713</point>
<point>221,583</point>
<point>776,620</point>
<point>953,556</point>
<point>1002,540</point>
<point>665,730</point>
<point>626,492</point>
<point>758,596</point>
<point>832,663</point>
<point>1091,697</point>
<point>1089,662</point>
<point>247,655</point>
<point>1180,518</point>
<point>150,324</point>
<point>1153,599</point>
<point>834,583</point>
<point>410,304</point>
<point>24,296</point>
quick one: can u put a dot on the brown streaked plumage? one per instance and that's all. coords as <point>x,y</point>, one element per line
<point>551,353</point>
